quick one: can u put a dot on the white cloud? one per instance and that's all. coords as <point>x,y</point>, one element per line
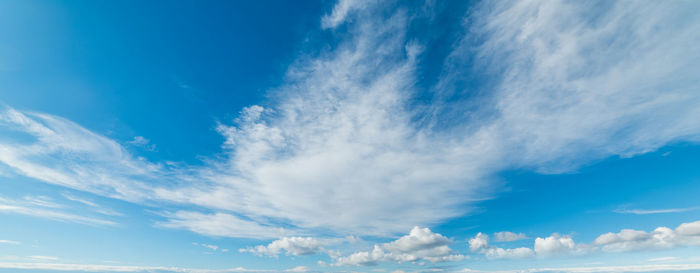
<point>117,268</point>
<point>663,259</point>
<point>508,253</point>
<point>653,211</point>
<point>340,12</point>
<point>686,234</point>
<point>27,208</point>
<point>95,207</point>
<point>602,269</point>
<point>556,245</point>
<point>220,224</point>
<point>574,87</point>
<point>292,245</point>
<point>507,236</point>
<point>212,247</point>
<point>298,269</point>
<point>480,244</point>
<point>689,229</point>
<point>42,258</point>
<point>9,242</point>
<point>419,244</point>
<point>143,142</point>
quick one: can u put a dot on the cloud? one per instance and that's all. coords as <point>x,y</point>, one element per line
<point>569,83</point>
<point>686,234</point>
<point>9,242</point>
<point>220,225</point>
<point>419,244</point>
<point>292,245</point>
<point>58,151</point>
<point>95,207</point>
<point>44,266</point>
<point>507,236</point>
<point>340,12</point>
<point>298,269</point>
<point>663,259</point>
<point>653,211</point>
<point>26,208</point>
<point>556,245</point>
<point>212,247</point>
<point>480,244</point>
<point>42,258</point>
<point>143,142</point>
<point>603,269</point>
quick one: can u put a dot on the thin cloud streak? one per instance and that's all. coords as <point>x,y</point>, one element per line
<point>653,211</point>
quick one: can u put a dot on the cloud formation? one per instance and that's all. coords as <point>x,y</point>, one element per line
<point>41,210</point>
<point>570,84</point>
<point>292,245</point>
<point>419,244</point>
<point>686,234</point>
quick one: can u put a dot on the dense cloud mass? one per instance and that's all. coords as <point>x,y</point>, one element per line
<point>346,147</point>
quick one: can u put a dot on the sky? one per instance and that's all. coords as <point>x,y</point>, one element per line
<point>349,136</point>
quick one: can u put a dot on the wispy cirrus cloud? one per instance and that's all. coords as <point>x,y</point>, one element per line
<point>570,86</point>
<point>29,209</point>
<point>653,211</point>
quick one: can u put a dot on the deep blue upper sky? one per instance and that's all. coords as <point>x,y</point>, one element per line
<point>409,136</point>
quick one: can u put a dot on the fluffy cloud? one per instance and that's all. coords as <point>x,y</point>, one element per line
<point>292,245</point>
<point>419,244</point>
<point>480,244</point>
<point>686,234</point>
<point>556,245</point>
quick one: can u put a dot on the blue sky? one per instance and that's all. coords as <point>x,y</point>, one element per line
<point>349,136</point>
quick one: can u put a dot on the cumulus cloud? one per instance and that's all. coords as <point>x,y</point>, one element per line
<point>419,244</point>
<point>292,245</point>
<point>556,244</point>
<point>480,244</point>
<point>686,234</point>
